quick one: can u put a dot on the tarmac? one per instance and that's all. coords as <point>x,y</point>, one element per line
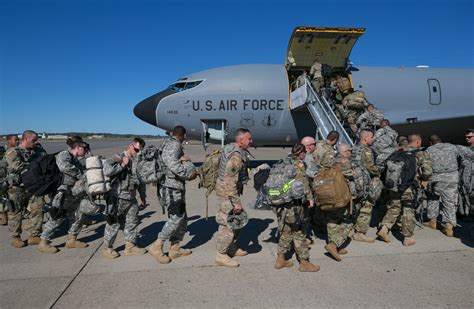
<point>436,272</point>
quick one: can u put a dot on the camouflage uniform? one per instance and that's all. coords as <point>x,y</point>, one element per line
<point>174,192</point>
<point>444,182</point>
<point>370,120</point>
<point>466,179</point>
<point>362,153</point>
<point>316,76</point>
<point>17,159</point>
<point>338,221</point>
<point>292,217</point>
<point>73,176</point>
<point>229,187</point>
<point>405,202</point>
<point>353,105</point>
<point>385,143</point>
<point>122,197</point>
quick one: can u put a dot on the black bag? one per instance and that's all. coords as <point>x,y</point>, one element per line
<point>260,178</point>
<point>400,171</point>
<point>42,176</point>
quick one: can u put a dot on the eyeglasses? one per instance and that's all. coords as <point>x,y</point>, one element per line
<point>136,149</point>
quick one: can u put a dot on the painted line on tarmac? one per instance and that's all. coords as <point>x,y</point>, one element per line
<point>75,276</point>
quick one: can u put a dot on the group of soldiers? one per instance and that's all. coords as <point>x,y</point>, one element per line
<point>437,175</point>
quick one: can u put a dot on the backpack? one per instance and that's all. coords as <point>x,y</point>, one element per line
<point>400,171</point>
<point>331,189</point>
<point>209,171</point>
<point>360,186</point>
<point>150,166</point>
<point>42,175</point>
<point>281,186</point>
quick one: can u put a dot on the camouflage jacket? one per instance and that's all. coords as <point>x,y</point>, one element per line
<point>230,185</point>
<point>70,166</point>
<point>363,153</point>
<point>301,175</point>
<point>467,167</point>
<point>354,101</point>
<point>424,167</point>
<point>444,159</point>
<point>176,171</point>
<point>17,159</point>
<point>370,119</point>
<point>312,167</point>
<point>124,180</point>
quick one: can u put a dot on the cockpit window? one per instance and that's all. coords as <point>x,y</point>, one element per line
<point>181,85</point>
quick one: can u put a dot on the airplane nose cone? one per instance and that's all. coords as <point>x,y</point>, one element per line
<point>146,109</point>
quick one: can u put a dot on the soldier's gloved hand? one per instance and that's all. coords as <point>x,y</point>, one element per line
<point>193,175</point>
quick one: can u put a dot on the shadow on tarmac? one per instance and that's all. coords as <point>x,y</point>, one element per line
<point>248,239</point>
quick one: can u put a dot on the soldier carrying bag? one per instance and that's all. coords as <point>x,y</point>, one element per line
<point>331,189</point>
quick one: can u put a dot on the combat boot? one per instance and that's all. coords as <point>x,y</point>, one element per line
<point>281,262</point>
<point>307,266</point>
<point>236,251</point>
<point>176,251</point>
<point>362,237</point>
<point>448,229</point>
<point>332,250</point>
<point>110,253</point>
<point>342,251</point>
<point>33,241</point>
<point>408,241</point>
<point>156,250</point>
<point>17,242</point>
<point>3,218</point>
<point>72,242</point>
<point>382,234</point>
<point>431,223</point>
<point>225,260</point>
<point>132,249</point>
<point>45,247</point>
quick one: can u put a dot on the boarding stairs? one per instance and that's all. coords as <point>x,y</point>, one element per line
<point>320,109</point>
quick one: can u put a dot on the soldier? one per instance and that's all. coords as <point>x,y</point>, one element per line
<point>291,219</point>
<point>443,184</point>
<point>403,202</point>
<point>68,197</point>
<point>338,225</point>
<point>316,76</point>
<point>311,165</point>
<point>174,196</point>
<point>466,185</point>
<point>353,105</point>
<point>12,141</point>
<point>3,188</point>
<point>362,154</point>
<point>122,205</point>
<point>370,120</point>
<point>301,80</point>
<point>385,143</point>
<point>21,201</point>
<point>232,176</point>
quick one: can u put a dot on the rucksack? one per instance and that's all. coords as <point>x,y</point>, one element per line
<point>209,171</point>
<point>281,186</point>
<point>360,186</point>
<point>42,175</point>
<point>400,171</point>
<point>150,166</point>
<point>331,189</point>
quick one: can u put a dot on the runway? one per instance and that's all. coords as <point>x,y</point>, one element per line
<point>436,272</point>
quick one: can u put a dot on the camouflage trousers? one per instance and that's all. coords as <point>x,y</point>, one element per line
<point>404,204</point>
<point>364,210</point>
<point>338,226</point>
<point>25,202</point>
<point>177,224</point>
<point>292,229</point>
<point>447,194</point>
<point>75,217</point>
<point>127,219</point>
<point>225,236</point>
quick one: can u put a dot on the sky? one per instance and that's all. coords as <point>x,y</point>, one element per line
<point>83,65</point>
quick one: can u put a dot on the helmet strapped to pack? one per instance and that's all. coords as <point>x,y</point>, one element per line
<point>237,221</point>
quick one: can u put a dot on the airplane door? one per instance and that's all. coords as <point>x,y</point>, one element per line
<point>435,91</point>
<point>213,130</point>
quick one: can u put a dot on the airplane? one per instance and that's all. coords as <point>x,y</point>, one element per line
<point>212,104</point>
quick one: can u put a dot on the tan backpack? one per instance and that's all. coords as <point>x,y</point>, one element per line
<point>331,189</point>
